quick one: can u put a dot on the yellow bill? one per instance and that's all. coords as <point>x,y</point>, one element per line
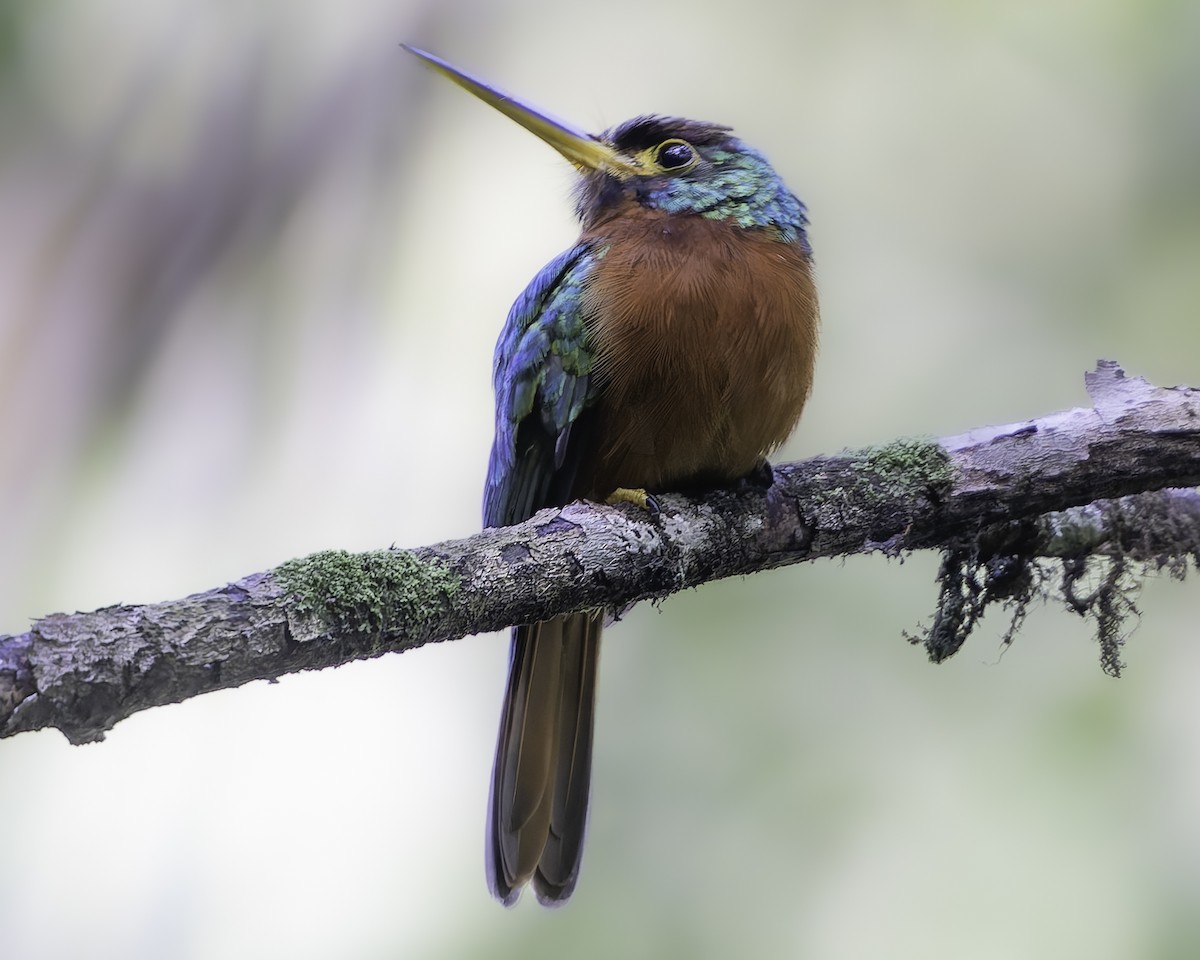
<point>583,149</point>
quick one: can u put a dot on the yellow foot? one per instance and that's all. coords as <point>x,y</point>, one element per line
<point>637,496</point>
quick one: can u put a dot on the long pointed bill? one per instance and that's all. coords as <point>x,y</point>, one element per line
<point>578,146</point>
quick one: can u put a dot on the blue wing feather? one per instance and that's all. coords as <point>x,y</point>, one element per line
<point>542,379</point>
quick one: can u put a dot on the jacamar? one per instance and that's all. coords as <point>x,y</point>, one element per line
<point>672,346</point>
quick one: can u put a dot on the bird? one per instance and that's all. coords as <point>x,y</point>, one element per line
<point>671,347</point>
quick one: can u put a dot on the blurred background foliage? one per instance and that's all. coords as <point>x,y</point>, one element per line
<point>252,263</point>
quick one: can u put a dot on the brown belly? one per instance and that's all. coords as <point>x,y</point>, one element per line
<point>706,336</point>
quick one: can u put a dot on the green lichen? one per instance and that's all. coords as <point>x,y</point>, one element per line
<point>378,592</point>
<point>881,487</point>
<point>1075,532</point>
<point>910,463</point>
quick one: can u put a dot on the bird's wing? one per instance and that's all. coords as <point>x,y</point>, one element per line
<point>543,385</point>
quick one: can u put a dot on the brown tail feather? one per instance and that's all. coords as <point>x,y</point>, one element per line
<point>539,796</point>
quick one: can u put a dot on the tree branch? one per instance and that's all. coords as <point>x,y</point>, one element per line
<point>994,500</point>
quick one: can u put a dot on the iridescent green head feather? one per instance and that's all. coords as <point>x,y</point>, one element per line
<point>691,167</point>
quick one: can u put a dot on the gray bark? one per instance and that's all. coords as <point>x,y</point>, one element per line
<point>1077,486</point>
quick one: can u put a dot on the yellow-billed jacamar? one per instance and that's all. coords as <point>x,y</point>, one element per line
<point>671,346</point>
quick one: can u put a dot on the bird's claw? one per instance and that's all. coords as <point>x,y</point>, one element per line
<point>762,477</point>
<point>638,497</point>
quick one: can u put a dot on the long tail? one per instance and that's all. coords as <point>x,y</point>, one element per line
<point>539,798</point>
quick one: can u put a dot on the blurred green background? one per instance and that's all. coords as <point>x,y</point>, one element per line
<point>253,260</point>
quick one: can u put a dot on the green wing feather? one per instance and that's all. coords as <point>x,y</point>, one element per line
<point>543,383</point>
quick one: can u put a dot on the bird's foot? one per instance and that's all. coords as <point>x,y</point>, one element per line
<point>637,496</point>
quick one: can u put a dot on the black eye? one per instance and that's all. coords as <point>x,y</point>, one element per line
<point>674,154</point>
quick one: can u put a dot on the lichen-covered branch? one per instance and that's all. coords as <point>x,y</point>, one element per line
<point>1070,486</point>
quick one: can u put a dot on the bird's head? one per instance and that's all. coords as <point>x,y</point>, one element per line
<point>677,166</point>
